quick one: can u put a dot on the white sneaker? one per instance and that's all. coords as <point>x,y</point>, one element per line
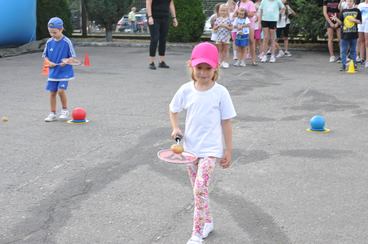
<point>281,54</point>
<point>269,52</point>
<point>225,65</point>
<point>195,240</point>
<point>332,59</point>
<point>261,55</point>
<point>366,64</point>
<point>272,59</point>
<point>64,114</point>
<point>264,59</point>
<point>237,63</point>
<point>287,54</point>
<point>207,229</point>
<point>51,117</point>
<point>243,64</point>
<point>358,59</point>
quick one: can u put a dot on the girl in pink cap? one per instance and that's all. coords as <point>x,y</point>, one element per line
<point>208,129</point>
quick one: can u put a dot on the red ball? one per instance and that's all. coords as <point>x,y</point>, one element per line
<point>79,114</point>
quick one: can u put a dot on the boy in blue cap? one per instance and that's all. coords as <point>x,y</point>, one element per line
<point>58,52</point>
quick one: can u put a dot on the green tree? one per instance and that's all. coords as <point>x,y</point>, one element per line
<point>47,9</point>
<point>107,12</point>
<point>309,22</point>
<point>191,18</point>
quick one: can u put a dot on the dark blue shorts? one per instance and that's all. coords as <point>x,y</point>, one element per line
<point>54,86</point>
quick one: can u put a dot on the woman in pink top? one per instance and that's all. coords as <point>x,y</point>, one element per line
<point>249,6</point>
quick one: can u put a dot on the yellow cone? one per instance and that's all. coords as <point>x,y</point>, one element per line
<point>351,69</point>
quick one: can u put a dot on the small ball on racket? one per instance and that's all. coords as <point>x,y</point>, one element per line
<point>177,148</point>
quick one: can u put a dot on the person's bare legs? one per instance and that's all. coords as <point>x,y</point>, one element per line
<point>330,35</point>
<point>266,35</point>
<point>361,45</point>
<point>63,98</point>
<point>53,101</point>
<point>273,41</point>
<point>252,45</point>
<point>366,48</point>
<point>338,35</point>
<point>225,50</point>
<point>241,53</point>
<point>286,44</point>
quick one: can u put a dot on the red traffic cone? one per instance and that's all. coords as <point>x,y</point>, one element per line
<point>45,68</point>
<point>86,60</point>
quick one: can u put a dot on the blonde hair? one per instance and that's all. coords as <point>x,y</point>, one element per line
<point>224,6</point>
<point>239,10</point>
<point>215,77</point>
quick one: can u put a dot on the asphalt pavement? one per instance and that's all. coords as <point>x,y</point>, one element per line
<point>101,182</point>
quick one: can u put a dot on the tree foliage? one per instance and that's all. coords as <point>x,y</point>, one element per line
<point>107,12</point>
<point>191,18</point>
<point>309,22</point>
<point>47,9</point>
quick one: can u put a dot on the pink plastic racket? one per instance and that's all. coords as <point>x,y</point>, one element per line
<point>169,156</point>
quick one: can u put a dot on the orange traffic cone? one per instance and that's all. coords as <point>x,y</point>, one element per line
<point>86,60</point>
<point>45,68</point>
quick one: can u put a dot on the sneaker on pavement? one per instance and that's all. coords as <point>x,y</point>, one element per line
<point>64,114</point>
<point>152,66</point>
<point>261,55</point>
<point>225,65</point>
<point>366,64</point>
<point>237,63</point>
<point>358,60</point>
<point>338,59</point>
<point>272,59</point>
<point>280,54</point>
<point>163,65</point>
<point>195,240</point>
<point>332,59</point>
<point>242,63</point>
<point>264,59</point>
<point>343,68</point>
<point>269,52</point>
<point>51,117</point>
<point>287,54</point>
<point>207,229</point>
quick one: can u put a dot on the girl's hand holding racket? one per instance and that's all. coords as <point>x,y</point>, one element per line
<point>176,153</point>
<point>176,133</point>
<point>225,162</point>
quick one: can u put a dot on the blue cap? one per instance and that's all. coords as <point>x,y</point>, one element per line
<point>56,23</point>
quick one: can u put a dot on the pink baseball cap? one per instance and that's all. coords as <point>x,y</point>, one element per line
<point>205,52</point>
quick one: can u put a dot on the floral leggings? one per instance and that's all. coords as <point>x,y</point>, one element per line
<point>200,175</point>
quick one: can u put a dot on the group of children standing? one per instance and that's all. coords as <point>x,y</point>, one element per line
<point>349,19</point>
<point>251,28</point>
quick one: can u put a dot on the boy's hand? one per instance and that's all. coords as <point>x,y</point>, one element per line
<point>225,162</point>
<point>51,64</point>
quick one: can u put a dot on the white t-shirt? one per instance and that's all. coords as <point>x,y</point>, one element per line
<point>363,7</point>
<point>363,27</point>
<point>284,20</point>
<point>205,110</point>
<point>239,21</point>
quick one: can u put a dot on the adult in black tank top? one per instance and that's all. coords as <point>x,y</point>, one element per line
<point>158,14</point>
